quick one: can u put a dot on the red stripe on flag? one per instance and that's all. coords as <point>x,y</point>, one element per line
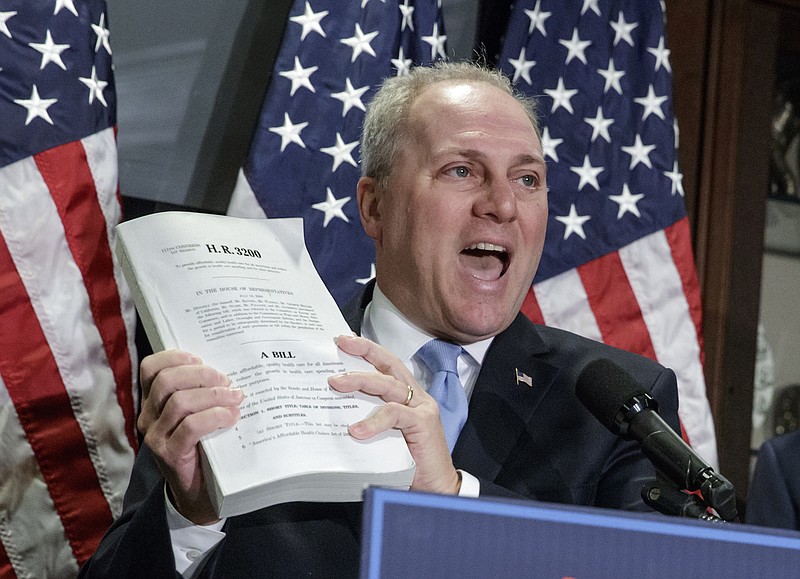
<point>614,305</point>
<point>530,307</point>
<point>679,239</point>
<point>66,173</point>
<point>39,396</point>
<point>6,570</point>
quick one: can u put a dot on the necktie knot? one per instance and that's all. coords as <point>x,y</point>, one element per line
<point>441,358</point>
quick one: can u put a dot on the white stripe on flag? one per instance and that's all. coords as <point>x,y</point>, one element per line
<point>243,201</point>
<point>101,156</point>
<point>659,291</point>
<point>564,304</point>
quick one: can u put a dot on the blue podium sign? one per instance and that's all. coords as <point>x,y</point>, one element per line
<point>408,534</point>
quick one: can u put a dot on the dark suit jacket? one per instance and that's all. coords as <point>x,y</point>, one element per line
<point>774,496</point>
<point>526,442</point>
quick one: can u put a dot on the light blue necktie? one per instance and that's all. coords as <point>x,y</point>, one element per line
<point>441,358</point>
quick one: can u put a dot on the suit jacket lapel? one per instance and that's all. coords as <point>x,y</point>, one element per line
<point>502,406</point>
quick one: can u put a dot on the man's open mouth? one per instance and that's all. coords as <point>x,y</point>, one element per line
<point>485,261</point>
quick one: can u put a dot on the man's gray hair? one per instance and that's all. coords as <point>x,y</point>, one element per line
<point>385,129</point>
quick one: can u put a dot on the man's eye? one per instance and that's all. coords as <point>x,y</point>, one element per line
<point>460,171</point>
<point>528,180</point>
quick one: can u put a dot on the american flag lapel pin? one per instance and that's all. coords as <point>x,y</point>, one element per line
<point>523,378</point>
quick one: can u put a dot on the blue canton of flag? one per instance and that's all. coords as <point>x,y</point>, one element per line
<point>617,263</point>
<point>603,77</point>
<point>303,161</point>
<point>38,49</point>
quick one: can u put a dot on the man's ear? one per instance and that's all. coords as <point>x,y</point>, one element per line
<point>368,207</point>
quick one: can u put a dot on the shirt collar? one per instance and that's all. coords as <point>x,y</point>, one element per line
<point>386,325</point>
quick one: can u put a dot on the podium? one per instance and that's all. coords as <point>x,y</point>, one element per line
<point>410,534</point>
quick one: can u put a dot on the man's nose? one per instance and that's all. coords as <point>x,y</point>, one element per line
<point>498,201</point>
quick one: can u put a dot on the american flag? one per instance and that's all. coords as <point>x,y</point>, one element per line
<point>67,357</point>
<point>618,264</point>
<point>304,156</point>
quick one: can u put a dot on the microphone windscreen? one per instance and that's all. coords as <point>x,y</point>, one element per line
<point>603,388</point>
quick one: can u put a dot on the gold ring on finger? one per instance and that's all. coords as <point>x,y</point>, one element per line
<point>410,394</point>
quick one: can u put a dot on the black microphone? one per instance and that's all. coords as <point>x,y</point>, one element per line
<point>628,410</point>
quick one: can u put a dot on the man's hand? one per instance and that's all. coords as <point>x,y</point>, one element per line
<point>183,400</point>
<point>418,421</point>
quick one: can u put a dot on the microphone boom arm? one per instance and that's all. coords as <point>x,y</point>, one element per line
<point>657,438</point>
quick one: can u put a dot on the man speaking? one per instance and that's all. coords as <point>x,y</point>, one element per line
<point>454,194</point>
